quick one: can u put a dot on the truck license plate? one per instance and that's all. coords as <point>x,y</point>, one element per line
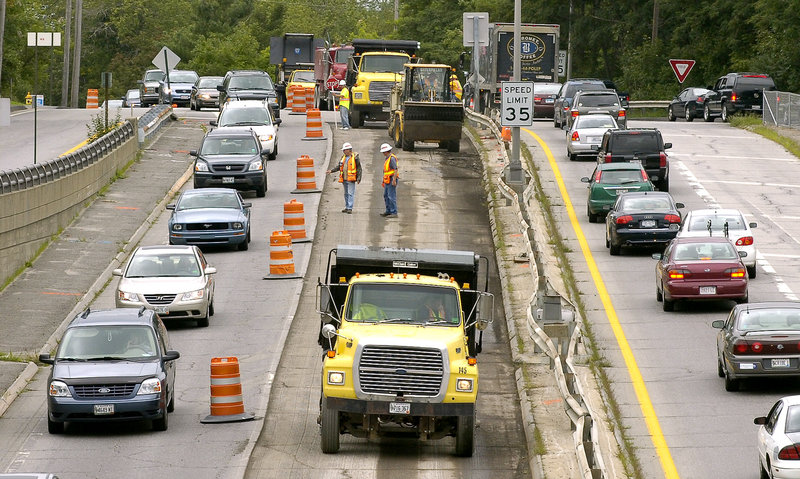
<point>227,179</point>
<point>103,409</point>
<point>399,407</point>
<point>708,290</point>
<point>161,309</point>
<point>780,363</point>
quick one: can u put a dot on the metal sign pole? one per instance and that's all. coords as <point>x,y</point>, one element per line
<point>515,166</point>
<point>476,98</point>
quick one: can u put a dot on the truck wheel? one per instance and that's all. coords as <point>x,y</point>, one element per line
<point>408,145</point>
<point>329,429</point>
<point>465,435</point>
<point>453,146</point>
<point>398,136</point>
<point>355,119</point>
<point>725,115</point>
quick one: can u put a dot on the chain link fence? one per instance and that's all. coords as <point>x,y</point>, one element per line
<point>782,109</point>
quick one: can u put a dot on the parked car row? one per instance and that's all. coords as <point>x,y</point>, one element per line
<point>731,94</point>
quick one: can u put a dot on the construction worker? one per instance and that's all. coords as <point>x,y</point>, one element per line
<point>455,86</point>
<point>349,169</point>
<point>389,183</point>
<point>344,106</point>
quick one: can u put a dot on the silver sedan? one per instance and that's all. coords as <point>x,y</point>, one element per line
<point>586,133</point>
<point>778,440</point>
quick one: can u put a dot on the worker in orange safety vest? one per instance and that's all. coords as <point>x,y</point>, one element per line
<point>349,169</point>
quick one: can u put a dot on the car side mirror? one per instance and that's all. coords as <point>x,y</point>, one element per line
<point>140,82</point>
<point>247,205</point>
<point>117,272</point>
<point>193,152</point>
<point>171,355</point>
<point>680,205</point>
<point>656,256</point>
<point>742,254</point>
<point>718,324</point>
<point>220,88</point>
<point>667,146</point>
<point>171,206</point>
<point>213,123</point>
<point>753,224</point>
<point>210,270</point>
<point>585,179</point>
<point>278,121</point>
<point>760,421</point>
<point>46,359</point>
<point>264,154</point>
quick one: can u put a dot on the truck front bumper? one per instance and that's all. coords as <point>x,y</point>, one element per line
<point>417,408</point>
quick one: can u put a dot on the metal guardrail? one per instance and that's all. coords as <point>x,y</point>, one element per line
<point>649,104</point>
<point>151,121</point>
<point>34,175</point>
<point>586,433</point>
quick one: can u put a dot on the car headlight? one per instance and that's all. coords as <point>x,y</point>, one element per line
<point>126,296</point>
<point>205,96</point>
<point>336,378</point>
<point>264,138</point>
<point>256,166</point>
<point>464,385</point>
<point>237,225</point>
<point>167,90</point>
<point>59,389</point>
<point>150,386</point>
<point>177,227</point>
<point>193,295</point>
<point>200,166</point>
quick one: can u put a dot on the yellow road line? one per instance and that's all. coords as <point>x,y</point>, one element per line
<point>75,148</point>
<point>650,418</point>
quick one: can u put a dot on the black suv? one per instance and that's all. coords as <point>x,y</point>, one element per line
<point>249,85</point>
<point>643,145</point>
<point>568,90</point>
<point>231,157</point>
<point>736,92</point>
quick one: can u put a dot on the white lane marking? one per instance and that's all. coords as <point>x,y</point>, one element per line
<point>730,157</point>
<point>754,183</point>
<point>698,187</point>
<point>775,255</point>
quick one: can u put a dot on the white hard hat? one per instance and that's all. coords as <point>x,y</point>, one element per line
<point>347,146</point>
<point>386,147</point>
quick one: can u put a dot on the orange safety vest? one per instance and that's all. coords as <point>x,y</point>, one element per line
<point>387,171</point>
<point>350,166</point>
<point>344,98</point>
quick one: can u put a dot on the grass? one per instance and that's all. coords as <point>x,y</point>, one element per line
<point>18,358</point>
<point>755,124</point>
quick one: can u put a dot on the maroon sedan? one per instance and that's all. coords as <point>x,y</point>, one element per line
<point>700,268</point>
<point>544,97</point>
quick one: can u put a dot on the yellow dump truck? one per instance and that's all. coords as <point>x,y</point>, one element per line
<point>372,71</point>
<point>401,330</point>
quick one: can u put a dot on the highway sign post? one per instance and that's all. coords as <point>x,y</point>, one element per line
<point>516,103</point>
<point>165,60</point>
<point>681,68</point>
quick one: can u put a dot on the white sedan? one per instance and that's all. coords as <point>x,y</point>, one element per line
<point>779,440</point>
<point>715,222</point>
<point>586,133</point>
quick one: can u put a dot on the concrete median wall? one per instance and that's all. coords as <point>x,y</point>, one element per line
<point>30,217</point>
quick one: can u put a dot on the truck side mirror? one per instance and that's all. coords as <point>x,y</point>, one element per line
<point>485,310</point>
<point>328,331</point>
<point>324,297</point>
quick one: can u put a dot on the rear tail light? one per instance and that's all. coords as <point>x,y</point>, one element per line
<point>700,99</point>
<point>662,160</point>
<point>537,99</point>
<point>623,220</point>
<point>575,113</point>
<point>790,453</point>
<point>736,273</point>
<point>733,96</point>
<point>679,273</point>
<point>597,176</point>
<point>744,241</point>
<point>607,158</point>
<point>621,114</point>
<point>743,347</point>
<point>672,218</point>
<point>576,136</point>
<point>644,176</point>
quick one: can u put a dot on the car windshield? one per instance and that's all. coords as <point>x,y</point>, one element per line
<point>575,88</point>
<point>245,116</point>
<point>164,265</point>
<point>383,63</point>
<point>402,303</point>
<point>595,121</point>
<point>641,204</point>
<point>211,82</point>
<point>108,342</point>
<point>229,146</point>
<point>546,88</point>
<point>133,94</point>
<point>598,100</point>
<point>195,201</point>
<point>630,143</point>
<point>182,77</point>
<point>771,319</point>
<point>717,222</point>
<point>250,82</point>
<point>754,82</point>
<point>618,177</point>
<point>303,76</point>
<point>705,252</point>
<point>154,76</point>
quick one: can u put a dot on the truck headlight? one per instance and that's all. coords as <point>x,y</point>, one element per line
<point>150,386</point>
<point>200,166</point>
<point>264,138</point>
<point>464,385</point>
<point>59,389</point>
<point>336,378</point>
<point>256,166</point>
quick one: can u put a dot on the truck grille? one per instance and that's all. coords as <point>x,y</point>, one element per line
<point>103,390</point>
<point>395,370</point>
<point>380,90</point>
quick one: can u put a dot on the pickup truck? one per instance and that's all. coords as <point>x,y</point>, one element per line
<point>734,93</point>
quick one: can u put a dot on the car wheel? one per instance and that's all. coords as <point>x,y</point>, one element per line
<point>54,427</point>
<point>453,146</point>
<point>689,115</point>
<point>724,114</point>
<point>572,157</point>
<point>663,185</point>
<point>191,105</point>
<point>762,473</point>
<point>274,155</point>
<point>613,249</point>
<point>667,305</point>
<point>261,191</point>
<point>243,246</point>
<point>751,271</point>
<point>743,299</point>
<point>408,145</point>
<point>670,114</point>
<point>203,322</point>
<point>170,241</point>
<point>171,404</point>
<point>608,242</point>
<point>659,295</point>
<point>720,371</point>
<point>556,123</point>
<point>593,218</point>
<point>730,383</point>
<point>465,435</point>
<point>707,114</point>
<point>398,136</point>
<point>162,423</point>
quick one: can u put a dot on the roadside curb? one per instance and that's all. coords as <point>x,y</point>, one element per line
<point>17,386</point>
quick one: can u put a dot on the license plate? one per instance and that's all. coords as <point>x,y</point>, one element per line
<point>708,290</point>
<point>548,100</point>
<point>780,363</point>
<point>648,223</point>
<point>103,409</point>
<point>161,309</point>
<point>399,407</point>
<point>619,192</point>
<point>756,107</point>
<point>227,179</point>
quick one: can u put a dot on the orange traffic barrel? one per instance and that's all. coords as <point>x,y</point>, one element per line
<point>290,95</point>
<point>506,134</point>
<point>314,125</point>
<point>310,98</point>
<point>91,98</point>
<point>227,403</point>
<point>299,100</point>
<point>281,258</point>
<point>294,221</point>
<point>306,178</point>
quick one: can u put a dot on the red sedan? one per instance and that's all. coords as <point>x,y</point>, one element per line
<point>700,268</point>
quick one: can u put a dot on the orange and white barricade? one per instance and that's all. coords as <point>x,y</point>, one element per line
<point>294,221</point>
<point>306,178</point>
<point>227,402</point>
<point>299,100</point>
<point>310,99</point>
<point>314,125</point>
<point>281,258</point>
<point>92,99</point>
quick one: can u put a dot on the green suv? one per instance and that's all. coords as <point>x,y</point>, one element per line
<point>610,180</point>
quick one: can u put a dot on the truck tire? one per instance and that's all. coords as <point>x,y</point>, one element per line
<point>398,134</point>
<point>465,435</point>
<point>355,119</point>
<point>329,429</point>
<point>408,145</point>
<point>453,146</point>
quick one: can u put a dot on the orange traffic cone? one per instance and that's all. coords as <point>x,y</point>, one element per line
<point>306,178</point>
<point>227,403</point>
<point>294,221</point>
<point>313,125</point>
<point>281,258</point>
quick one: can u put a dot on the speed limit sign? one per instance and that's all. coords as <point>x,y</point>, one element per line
<point>517,103</point>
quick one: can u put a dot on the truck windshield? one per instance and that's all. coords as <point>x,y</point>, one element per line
<point>383,63</point>
<point>429,84</point>
<point>403,303</point>
<point>343,55</point>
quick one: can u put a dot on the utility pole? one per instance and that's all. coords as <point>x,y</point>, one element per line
<point>396,13</point>
<point>655,21</point>
<point>2,33</point>
<point>76,64</point>
<point>65,67</point>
